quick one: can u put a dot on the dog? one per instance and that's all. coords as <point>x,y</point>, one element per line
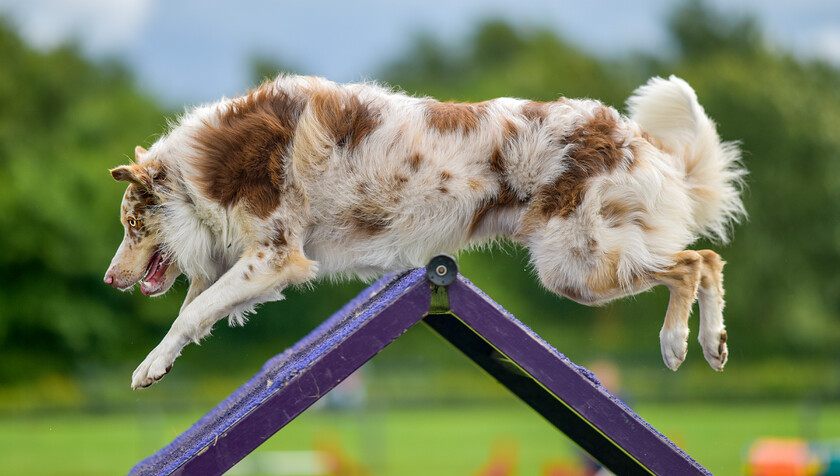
<point>303,178</point>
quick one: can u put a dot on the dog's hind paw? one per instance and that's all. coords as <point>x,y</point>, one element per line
<point>157,364</point>
<point>674,343</point>
<point>714,349</point>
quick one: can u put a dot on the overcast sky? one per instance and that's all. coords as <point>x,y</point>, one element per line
<point>188,51</point>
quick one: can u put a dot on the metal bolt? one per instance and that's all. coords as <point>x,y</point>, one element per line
<point>442,270</point>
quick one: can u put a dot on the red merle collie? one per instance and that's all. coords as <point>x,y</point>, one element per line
<point>303,178</point>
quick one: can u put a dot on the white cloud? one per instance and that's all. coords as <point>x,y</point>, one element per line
<point>101,26</point>
<point>827,44</point>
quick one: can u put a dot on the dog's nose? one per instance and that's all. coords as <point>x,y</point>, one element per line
<point>110,278</point>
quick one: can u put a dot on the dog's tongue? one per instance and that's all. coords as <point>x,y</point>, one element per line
<point>157,270</point>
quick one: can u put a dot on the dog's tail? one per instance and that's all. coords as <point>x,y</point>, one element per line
<point>668,110</point>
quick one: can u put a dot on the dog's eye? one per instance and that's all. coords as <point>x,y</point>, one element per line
<point>132,222</point>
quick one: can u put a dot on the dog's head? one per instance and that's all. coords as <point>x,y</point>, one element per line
<point>142,256</point>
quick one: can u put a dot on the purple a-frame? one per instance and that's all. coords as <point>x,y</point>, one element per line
<point>568,396</point>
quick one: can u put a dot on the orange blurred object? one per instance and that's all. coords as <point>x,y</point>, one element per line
<point>504,459</point>
<point>782,457</point>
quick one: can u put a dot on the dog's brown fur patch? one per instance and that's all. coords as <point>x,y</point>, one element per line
<point>504,199</point>
<point>344,116</point>
<point>243,158</point>
<point>448,117</point>
<point>369,218</point>
<point>595,152</point>
<point>400,180</point>
<point>622,213</point>
<point>497,163</point>
<point>535,111</point>
<point>509,130</point>
<point>278,237</point>
<point>414,161</point>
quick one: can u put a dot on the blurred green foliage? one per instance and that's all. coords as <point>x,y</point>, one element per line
<point>64,121</point>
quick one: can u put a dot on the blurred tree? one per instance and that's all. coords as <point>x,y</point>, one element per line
<point>499,60</point>
<point>496,43</point>
<point>64,121</point>
<point>700,30</point>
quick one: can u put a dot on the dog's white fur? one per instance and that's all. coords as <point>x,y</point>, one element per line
<point>405,178</point>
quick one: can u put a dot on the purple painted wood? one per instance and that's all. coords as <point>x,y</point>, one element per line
<point>292,381</point>
<point>575,386</point>
<point>568,396</point>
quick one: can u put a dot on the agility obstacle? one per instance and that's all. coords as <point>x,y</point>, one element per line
<point>568,396</point>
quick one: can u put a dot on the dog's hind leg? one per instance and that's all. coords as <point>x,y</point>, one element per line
<point>712,334</point>
<point>260,275</point>
<point>683,280</point>
<point>575,264</point>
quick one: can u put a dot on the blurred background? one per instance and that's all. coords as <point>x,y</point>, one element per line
<point>83,82</point>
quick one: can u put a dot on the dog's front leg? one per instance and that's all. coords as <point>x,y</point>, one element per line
<point>259,276</point>
<point>197,286</point>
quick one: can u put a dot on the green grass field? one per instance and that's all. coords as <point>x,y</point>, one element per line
<point>451,441</point>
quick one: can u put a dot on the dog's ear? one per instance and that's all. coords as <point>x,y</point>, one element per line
<point>133,173</point>
<point>147,175</point>
<point>125,173</point>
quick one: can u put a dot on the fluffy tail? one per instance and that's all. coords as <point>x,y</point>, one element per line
<point>668,110</point>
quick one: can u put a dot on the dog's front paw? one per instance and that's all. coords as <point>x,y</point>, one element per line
<point>714,349</point>
<point>157,364</point>
<point>674,343</point>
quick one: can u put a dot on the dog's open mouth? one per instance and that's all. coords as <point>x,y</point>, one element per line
<point>155,276</point>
